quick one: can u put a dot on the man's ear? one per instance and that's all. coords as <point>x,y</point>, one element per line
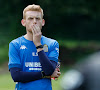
<point>23,22</point>
<point>43,22</point>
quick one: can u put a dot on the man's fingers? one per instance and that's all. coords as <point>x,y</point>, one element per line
<point>38,28</point>
<point>35,29</point>
<point>58,69</point>
<point>58,73</point>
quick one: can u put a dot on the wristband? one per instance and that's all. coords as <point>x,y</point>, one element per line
<point>43,74</point>
<point>40,46</point>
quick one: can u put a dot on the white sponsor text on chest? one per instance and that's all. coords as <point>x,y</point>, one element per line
<point>33,64</point>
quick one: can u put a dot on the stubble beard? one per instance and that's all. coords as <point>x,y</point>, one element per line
<point>29,31</point>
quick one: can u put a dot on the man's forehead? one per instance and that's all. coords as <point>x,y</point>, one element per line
<point>33,14</point>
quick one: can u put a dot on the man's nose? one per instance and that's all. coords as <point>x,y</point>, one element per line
<point>34,21</point>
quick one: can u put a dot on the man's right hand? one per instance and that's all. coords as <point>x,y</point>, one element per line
<point>56,73</point>
<point>36,35</point>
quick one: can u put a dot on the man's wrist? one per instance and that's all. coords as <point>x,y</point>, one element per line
<point>43,75</point>
<point>40,49</point>
<point>47,77</point>
<point>39,46</point>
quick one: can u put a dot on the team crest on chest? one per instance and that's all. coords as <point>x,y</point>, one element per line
<point>45,48</point>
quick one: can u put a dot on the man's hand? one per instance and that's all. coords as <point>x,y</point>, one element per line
<point>56,73</point>
<point>36,34</point>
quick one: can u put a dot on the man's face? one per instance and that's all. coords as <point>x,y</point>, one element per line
<point>33,17</point>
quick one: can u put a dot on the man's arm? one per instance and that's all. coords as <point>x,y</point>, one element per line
<point>20,76</point>
<point>47,66</point>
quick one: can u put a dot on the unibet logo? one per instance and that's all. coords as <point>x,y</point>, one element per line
<point>33,64</point>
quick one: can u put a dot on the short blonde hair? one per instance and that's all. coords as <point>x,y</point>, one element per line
<point>33,7</point>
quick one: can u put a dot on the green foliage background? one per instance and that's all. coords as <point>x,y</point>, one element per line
<point>71,19</point>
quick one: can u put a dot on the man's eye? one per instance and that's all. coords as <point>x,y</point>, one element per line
<point>30,18</point>
<point>38,18</point>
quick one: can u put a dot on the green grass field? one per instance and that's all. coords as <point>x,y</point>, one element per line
<point>6,82</point>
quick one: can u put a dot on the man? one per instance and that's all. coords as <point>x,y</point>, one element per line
<point>33,57</point>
